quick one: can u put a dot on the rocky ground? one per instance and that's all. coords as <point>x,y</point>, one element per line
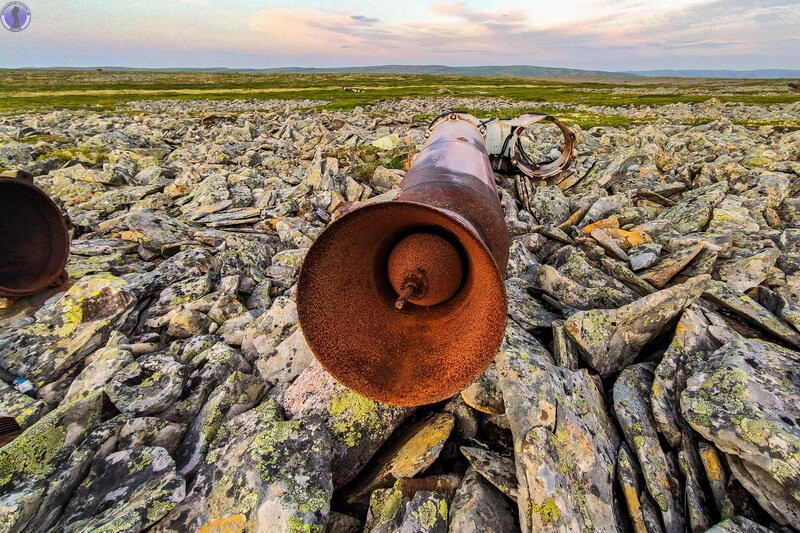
<point>648,381</point>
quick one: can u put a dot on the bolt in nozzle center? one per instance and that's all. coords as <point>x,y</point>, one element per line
<point>424,269</point>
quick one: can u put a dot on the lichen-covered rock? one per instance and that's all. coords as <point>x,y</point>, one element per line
<point>565,446</point>
<point>631,405</point>
<point>749,272</point>
<point>669,266</point>
<point>425,513</point>
<point>483,394</point>
<point>266,332</point>
<point>126,491</point>
<point>66,329</point>
<point>467,418</point>
<point>498,470</point>
<point>187,323</point>
<point>413,452</point>
<point>156,231</point>
<point>244,257</point>
<point>643,512</point>
<point>28,462</point>
<point>478,507</point>
<point>726,296</point>
<point>526,310</point>
<point>581,285</point>
<point>205,209</point>
<point>715,473</point>
<point>737,524</point>
<point>386,510</point>
<point>611,339</point>
<point>239,393</point>
<point>550,205</point>
<point>359,426</point>
<point>179,293</point>
<point>151,431</point>
<point>262,474</point>
<point>105,363</point>
<point>23,408</point>
<point>568,292</point>
<point>744,401</point>
<point>147,386</point>
<point>693,212</point>
<point>289,359</point>
<point>690,344</point>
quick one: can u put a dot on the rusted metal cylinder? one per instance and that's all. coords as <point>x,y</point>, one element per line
<point>34,239</point>
<point>403,301</point>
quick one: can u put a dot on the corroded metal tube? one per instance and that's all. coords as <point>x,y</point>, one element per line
<point>403,301</point>
<point>34,238</point>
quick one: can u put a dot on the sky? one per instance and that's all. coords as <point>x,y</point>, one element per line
<point>616,35</point>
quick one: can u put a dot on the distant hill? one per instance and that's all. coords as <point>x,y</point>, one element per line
<point>762,73</point>
<point>443,70</point>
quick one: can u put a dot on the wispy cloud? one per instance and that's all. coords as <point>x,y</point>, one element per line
<point>363,19</point>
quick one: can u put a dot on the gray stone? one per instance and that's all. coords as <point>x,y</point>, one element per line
<point>558,466</point>
<point>66,329</point>
<point>496,469</point>
<point>644,255</point>
<point>126,491</point>
<point>478,507</point>
<point>105,363</point>
<point>147,386</point>
<point>151,431</point>
<point>631,392</point>
<point>359,426</point>
<point>750,415</point>
<point>612,339</point>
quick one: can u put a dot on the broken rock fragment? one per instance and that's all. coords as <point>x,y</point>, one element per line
<point>610,339</point>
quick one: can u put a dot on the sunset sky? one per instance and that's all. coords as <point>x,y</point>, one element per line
<point>591,34</point>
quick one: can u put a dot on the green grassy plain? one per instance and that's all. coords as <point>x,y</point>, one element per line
<point>39,90</point>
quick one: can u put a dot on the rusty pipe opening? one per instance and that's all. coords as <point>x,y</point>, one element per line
<point>403,301</point>
<point>34,240</point>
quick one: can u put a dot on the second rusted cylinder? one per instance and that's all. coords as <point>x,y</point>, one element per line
<point>34,239</point>
<point>403,301</point>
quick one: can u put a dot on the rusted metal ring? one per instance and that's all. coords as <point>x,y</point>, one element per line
<point>549,169</point>
<point>413,356</point>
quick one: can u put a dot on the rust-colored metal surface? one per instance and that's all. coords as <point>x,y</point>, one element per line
<point>357,296</point>
<point>34,239</point>
<point>424,269</point>
<point>9,430</point>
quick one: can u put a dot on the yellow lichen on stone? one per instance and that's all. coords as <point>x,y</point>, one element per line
<point>31,452</point>
<point>351,413</point>
<point>406,462</point>
<point>634,508</point>
<point>297,525</point>
<point>711,464</point>
<point>227,524</point>
<point>426,514</point>
<point>385,509</point>
<point>547,510</point>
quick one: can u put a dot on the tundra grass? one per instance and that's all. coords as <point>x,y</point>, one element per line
<point>39,90</point>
